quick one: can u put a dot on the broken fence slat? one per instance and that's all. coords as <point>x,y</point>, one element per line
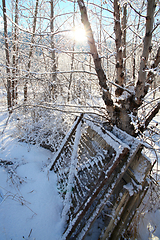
<point>66,139</point>
<point>73,167</point>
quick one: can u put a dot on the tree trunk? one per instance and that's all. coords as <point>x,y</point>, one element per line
<point>119,53</point>
<point>135,44</point>
<point>53,55</point>
<point>150,75</point>
<point>141,83</point>
<point>9,100</point>
<point>72,58</point>
<point>15,57</point>
<point>124,30</point>
<point>97,60</point>
<point>31,49</point>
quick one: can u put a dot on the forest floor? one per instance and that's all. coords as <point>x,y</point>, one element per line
<point>30,207</point>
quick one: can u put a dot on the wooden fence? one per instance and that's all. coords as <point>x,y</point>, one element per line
<point>101,177</point>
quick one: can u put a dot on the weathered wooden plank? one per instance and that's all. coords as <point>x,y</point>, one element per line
<point>141,167</point>
<point>136,168</point>
<point>128,213</point>
<point>120,206</point>
<point>102,180</point>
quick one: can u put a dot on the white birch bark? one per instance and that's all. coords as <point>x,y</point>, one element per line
<point>140,89</point>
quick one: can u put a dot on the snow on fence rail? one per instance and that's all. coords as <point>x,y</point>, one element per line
<point>101,177</point>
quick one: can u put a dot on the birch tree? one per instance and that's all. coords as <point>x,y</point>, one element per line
<point>122,111</point>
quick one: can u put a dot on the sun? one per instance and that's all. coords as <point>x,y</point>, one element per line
<point>79,34</point>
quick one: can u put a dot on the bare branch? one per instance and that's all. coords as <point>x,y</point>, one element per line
<point>151,115</point>
<point>156,27</point>
<point>101,7</point>
<point>136,10</point>
<point>37,34</point>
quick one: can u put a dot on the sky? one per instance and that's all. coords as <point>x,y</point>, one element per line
<point>60,8</point>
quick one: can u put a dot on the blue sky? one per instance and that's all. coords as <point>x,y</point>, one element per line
<point>63,6</point>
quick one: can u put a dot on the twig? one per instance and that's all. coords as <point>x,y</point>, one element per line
<point>6,123</point>
<point>136,10</point>
<point>101,7</point>
<point>151,115</point>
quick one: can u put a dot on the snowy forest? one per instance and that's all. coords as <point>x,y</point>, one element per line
<point>67,67</point>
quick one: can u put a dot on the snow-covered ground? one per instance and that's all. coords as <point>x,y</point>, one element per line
<point>30,207</point>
